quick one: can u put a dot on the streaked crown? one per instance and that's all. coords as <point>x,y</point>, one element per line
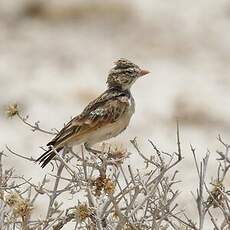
<point>124,74</point>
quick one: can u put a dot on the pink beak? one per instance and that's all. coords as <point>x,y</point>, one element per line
<point>144,72</point>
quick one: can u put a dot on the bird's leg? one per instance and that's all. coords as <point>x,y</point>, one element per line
<point>89,149</point>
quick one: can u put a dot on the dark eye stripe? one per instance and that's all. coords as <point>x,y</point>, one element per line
<point>131,71</point>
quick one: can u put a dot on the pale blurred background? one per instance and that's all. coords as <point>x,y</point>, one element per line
<point>55,56</point>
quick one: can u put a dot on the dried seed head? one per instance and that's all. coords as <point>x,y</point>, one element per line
<point>109,186</point>
<point>12,199</point>
<point>99,185</point>
<point>12,110</point>
<point>103,184</point>
<point>216,197</point>
<point>119,154</point>
<point>23,208</point>
<point>20,206</point>
<point>83,212</point>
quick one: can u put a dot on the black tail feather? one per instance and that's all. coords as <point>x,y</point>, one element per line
<point>46,157</point>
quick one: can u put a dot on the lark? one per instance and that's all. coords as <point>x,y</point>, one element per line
<point>103,118</point>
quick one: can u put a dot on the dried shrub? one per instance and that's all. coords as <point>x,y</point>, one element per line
<point>109,194</point>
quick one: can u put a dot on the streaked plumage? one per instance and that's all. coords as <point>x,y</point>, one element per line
<point>105,117</point>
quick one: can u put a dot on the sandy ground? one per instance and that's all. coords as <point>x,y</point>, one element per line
<point>55,58</point>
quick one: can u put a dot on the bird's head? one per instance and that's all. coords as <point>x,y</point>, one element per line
<point>124,74</point>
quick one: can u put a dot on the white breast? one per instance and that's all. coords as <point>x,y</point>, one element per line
<point>113,129</point>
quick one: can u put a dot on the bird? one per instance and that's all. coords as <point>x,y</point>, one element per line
<point>103,118</point>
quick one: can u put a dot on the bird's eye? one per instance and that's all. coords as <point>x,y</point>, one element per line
<point>129,70</point>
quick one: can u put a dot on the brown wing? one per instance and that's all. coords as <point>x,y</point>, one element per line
<point>107,108</point>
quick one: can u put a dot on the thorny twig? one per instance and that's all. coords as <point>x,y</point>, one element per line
<point>35,126</point>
